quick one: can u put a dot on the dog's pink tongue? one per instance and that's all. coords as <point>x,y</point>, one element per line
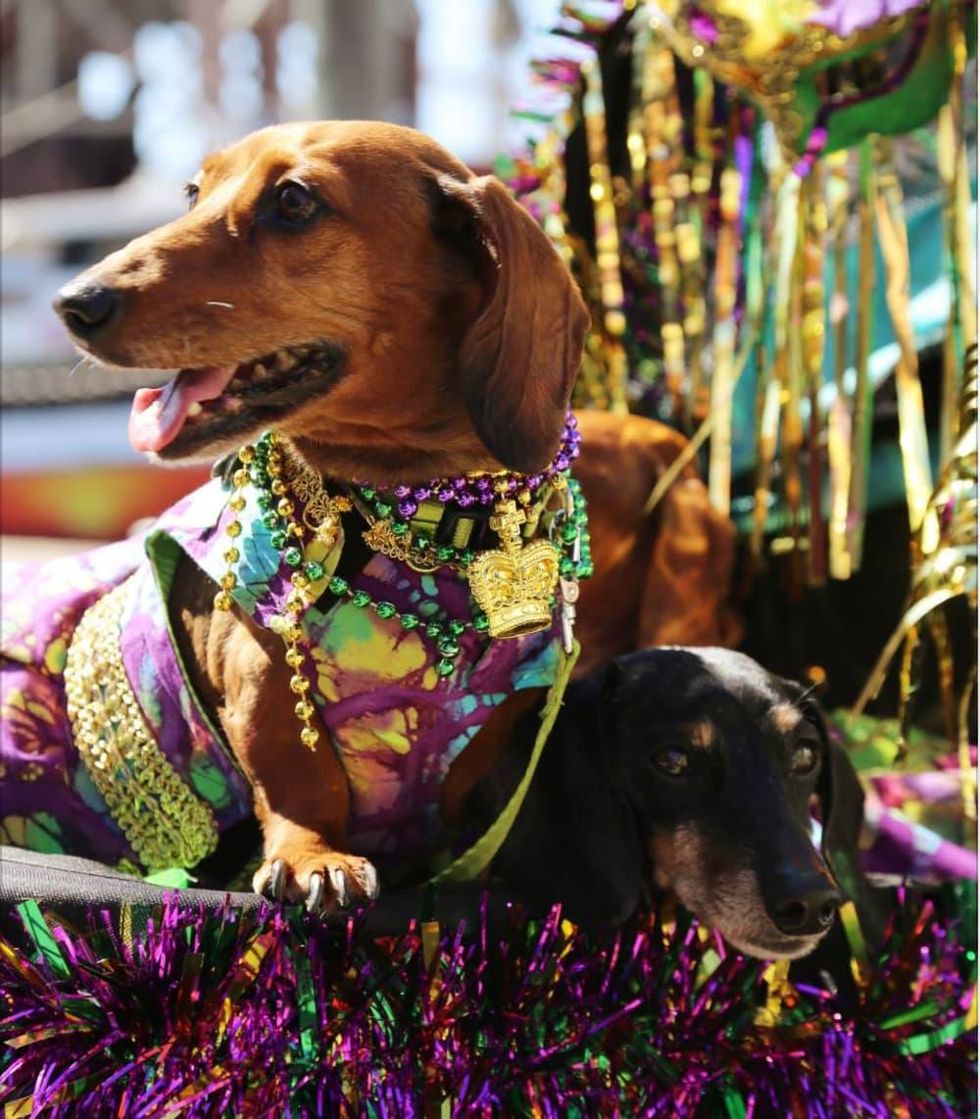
<point>159,414</point>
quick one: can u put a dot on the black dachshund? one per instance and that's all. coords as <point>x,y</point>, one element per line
<point>692,770</point>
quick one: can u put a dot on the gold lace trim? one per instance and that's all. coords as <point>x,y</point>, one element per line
<point>165,823</point>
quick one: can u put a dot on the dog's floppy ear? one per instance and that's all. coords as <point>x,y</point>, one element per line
<point>842,805</point>
<point>519,356</point>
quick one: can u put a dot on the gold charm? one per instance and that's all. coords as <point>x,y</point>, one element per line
<point>321,510</point>
<point>512,586</point>
<point>380,538</point>
<point>569,596</point>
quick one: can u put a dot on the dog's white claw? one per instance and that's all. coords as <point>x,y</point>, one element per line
<point>339,882</point>
<point>371,886</point>
<point>284,360</point>
<point>314,899</point>
<point>277,880</point>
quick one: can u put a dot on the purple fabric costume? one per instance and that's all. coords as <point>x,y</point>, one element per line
<point>395,723</point>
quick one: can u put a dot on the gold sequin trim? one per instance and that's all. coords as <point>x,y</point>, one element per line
<point>163,821</point>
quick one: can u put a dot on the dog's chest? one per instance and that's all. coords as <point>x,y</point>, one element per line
<point>396,721</point>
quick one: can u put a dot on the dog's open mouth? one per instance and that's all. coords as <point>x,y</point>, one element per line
<point>209,404</point>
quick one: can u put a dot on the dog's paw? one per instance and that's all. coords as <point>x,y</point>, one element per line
<point>324,882</point>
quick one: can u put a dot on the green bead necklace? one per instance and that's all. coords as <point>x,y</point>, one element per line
<point>572,540</point>
<point>262,466</point>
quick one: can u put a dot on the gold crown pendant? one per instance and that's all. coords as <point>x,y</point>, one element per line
<point>513,585</point>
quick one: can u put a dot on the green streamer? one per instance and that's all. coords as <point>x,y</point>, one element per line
<point>40,934</point>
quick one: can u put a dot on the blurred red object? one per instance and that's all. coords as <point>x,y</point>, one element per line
<point>96,502</point>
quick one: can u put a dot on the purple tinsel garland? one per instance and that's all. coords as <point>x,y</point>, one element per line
<point>230,1014</point>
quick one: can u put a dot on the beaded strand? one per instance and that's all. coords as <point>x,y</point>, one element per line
<point>261,465</point>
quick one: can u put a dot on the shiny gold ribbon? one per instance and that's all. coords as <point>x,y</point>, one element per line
<point>863,389</point>
<point>913,440</point>
<point>839,420</point>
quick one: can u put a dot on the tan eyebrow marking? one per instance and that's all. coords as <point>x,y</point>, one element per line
<point>785,717</point>
<point>257,179</point>
<point>701,734</point>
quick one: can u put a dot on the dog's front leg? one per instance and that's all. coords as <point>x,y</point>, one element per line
<point>301,860</point>
<point>301,796</point>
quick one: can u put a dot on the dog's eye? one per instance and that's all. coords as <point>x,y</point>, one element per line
<point>296,204</point>
<point>674,762</point>
<point>191,191</point>
<point>804,758</point>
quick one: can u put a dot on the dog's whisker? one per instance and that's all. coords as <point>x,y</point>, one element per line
<point>219,303</point>
<point>808,692</point>
<point>78,364</point>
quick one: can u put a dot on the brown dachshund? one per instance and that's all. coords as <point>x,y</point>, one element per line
<point>407,320</point>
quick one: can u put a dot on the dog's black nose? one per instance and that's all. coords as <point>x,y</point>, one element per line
<point>85,310</point>
<point>805,909</point>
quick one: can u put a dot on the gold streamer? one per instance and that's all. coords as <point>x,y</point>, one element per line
<point>771,380</point>
<point>812,331</point>
<point>839,421</point>
<point>861,427</point>
<point>701,177</point>
<point>606,234</point>
<point>949,570</point>
<point>722,377</point>
<point>663,129</point>
<point>637,142</point>
<point>601,193</point>
<point>907,687</point>
<point>939,632</point>
<point>967,769</point>
<point>954,174</point>
<point>767,428</point>
<point>913,441</point>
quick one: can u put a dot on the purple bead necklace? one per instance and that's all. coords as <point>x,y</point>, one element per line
<point>482,489</point>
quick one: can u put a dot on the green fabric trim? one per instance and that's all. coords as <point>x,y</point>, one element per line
<point>473,862</point>
<point>164,554</point>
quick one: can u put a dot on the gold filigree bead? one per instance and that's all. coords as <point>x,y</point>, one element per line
<point>293,634</point>
<point>299,580</point>
<point>222,601</point>
<point>247,453</point>
<point>299,684</point>
<point>296,603</point>
<point>237,503</point>
<point>304,710</point>
<point>229,581</point>
<point>279,487</point>
<point>234,529</point>
<point>309,736</point>
<point>285,508</point>
<point>240,478</point>
<point>232,555</point>
<point>294,658</point>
